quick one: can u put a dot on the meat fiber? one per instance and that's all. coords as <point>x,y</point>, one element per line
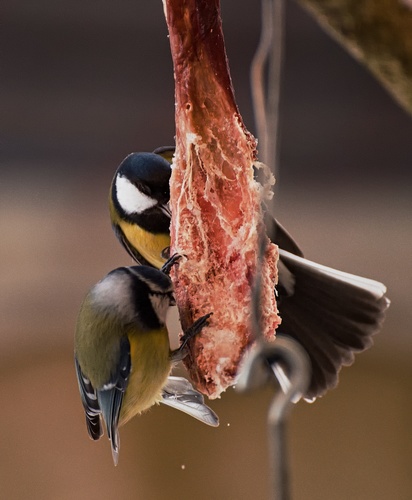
<point>215,202</point>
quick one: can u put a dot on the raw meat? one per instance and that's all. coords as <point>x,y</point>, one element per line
<point>215,202</point>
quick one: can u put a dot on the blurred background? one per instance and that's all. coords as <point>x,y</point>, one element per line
<point>82,85</point>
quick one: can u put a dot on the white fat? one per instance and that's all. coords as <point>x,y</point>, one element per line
<point>192,138</point>
<point>269,181</point>
<point>130,198</point>
<point>113,292</point>
<point>222,364</point>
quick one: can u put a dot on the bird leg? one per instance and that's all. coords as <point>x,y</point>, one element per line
<point>181,352</point>
<point>167,266</point>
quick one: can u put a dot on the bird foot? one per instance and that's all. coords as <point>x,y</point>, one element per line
<point>181,352</point>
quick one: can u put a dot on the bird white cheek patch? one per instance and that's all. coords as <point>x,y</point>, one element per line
<point>130,198</point>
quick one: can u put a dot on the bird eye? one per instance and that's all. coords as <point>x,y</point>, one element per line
<point>144,188</point>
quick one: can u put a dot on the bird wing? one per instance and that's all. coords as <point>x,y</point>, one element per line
<point>90,403</point>
<point>110,396</point>
<point>278,234</point>
<point>332,314</point>
<point>180,394</point>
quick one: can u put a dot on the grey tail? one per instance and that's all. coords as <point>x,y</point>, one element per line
<point>332,314</point>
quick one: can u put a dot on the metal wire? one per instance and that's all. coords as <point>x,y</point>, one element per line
<point>268,56</point>
<point>284,360</point>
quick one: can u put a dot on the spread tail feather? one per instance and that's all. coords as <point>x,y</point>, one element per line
<point>332,314</point>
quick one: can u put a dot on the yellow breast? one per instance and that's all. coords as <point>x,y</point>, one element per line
<point>151,365</point>
<point>149,245</point>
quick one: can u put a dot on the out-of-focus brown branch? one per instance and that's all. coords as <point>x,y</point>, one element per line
<point>376,32</point>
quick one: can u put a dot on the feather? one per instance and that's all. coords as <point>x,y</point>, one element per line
<point>110,397</point>
<point>332,314</point>
<point>90,404</point>
<point>131,250</point>
<point>278,234</point>
<point>180,394</point>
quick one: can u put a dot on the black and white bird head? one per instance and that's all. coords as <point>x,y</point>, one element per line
<point>141,185</point>
<point>138,294</point>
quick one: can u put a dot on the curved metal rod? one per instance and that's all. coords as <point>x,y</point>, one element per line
<point>287,362</point>
<point>268,56</point>
<point>257,78</point>
<point>284,360</point>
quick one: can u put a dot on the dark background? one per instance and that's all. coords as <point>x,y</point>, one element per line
<point>82,85</point>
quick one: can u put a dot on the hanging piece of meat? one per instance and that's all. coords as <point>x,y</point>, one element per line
<point>216,207</point>
<point>215,201</point>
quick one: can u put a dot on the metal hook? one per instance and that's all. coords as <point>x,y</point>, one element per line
<point>287,362</point>
<point>284,360</point>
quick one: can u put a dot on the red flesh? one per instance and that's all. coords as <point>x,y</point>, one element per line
<point>215,201</point>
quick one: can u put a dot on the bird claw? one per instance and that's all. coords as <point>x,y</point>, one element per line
<point>196,328</point>
<point>181,352</point>
<point>167,266</point>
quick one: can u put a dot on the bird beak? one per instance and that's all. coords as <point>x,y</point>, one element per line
<point>166,210</point>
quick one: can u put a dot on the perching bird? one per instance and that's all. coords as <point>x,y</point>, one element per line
<point>139,210</point>
<point>332,314</point>
<point>122,354</point>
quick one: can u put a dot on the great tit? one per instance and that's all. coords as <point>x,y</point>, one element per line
<point>331,313</point>
<point>139,207</point>
<point>122,353</point>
